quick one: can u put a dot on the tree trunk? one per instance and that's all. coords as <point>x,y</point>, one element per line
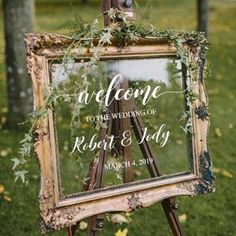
<point>18,20</point>
<point>203,15</point>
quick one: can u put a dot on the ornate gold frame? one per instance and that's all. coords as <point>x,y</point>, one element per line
<point>57,213</point>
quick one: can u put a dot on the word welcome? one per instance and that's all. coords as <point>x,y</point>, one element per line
<point>114,92</point>
<point>161,137</point>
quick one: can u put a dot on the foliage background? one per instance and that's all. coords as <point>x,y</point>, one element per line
<point>212,214</point>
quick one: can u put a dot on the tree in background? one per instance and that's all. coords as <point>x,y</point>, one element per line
<point>18,20</point>
<point>203,15</point>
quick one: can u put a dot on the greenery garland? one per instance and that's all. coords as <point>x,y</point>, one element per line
<point>83,34</point>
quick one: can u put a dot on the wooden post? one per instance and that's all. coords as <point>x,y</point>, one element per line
<point>203,16</point>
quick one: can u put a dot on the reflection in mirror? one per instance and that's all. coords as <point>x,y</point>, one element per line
<point>116,124</point>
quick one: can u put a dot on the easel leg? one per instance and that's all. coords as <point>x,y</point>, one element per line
<point>125,124</point>
<point>171,217</point>
<point>91,225</point>
<point>96,181</point>
<point>71,230</point>
<point>154,170</point>
<point>95,225</point>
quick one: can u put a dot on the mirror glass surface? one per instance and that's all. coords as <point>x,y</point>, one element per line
<point>121,119</point>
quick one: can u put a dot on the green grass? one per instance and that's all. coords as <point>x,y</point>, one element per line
<point>211,214</point>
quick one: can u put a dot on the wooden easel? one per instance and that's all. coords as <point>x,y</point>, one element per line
<point>116,127</point>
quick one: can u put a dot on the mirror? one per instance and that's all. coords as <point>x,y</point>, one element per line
<point>123,110</point>
<point>121,131</point>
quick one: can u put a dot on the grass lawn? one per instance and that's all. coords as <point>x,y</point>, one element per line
<point>211,214</point>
